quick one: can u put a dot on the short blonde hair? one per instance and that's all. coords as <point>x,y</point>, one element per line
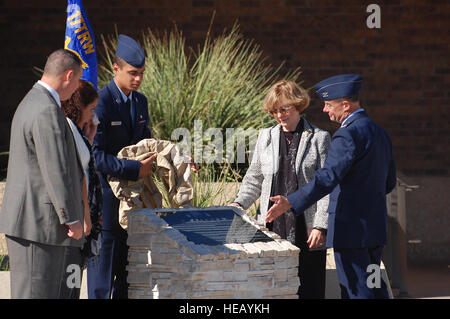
<point>288,93</point>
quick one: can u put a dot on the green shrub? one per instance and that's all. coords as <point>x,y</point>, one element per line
<point>4,263</point>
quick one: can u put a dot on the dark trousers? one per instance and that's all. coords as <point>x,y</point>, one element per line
<point>106,273</point>
<point>352,269</point>
<point>312,273</point>
<point>40,271</point>
<point>311,265</point>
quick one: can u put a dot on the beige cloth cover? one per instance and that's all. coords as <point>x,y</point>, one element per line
<point>171,167</point>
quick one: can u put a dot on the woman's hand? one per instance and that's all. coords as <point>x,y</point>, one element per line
<point>316,238</point>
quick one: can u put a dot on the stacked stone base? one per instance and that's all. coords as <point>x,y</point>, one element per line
<point>164,264</point>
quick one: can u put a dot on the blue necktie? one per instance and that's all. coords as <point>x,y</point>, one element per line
<point>130,106</point>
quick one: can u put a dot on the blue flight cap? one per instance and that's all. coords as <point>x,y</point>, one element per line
<point>130,51</point>
<point>338,86</point>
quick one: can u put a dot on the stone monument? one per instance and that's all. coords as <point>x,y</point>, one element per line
<point>216,252</point>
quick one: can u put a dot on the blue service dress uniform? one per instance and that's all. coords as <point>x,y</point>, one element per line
<point>107,274</point>
<point>358,172</point>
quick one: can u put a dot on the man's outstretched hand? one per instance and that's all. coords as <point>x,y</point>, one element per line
<point>280,206</point>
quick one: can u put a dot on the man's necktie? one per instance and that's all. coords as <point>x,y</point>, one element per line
<point>130,111</point>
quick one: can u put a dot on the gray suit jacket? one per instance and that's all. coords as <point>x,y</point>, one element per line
<point>257,182</point>
<point>44,181</point>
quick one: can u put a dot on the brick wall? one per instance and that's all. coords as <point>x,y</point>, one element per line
<point>405,63</point>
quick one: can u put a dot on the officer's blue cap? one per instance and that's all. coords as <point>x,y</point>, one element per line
<point>338,86</point>
<point>130,51</point>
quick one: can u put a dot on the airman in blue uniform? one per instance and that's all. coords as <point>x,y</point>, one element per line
<point>359,171</point>
<point>124,121</point>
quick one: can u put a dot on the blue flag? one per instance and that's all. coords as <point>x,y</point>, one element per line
<point>80,40</point>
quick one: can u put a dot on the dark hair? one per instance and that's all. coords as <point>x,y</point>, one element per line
<point>119,61</point>
<point>60,61</point>
<point>84,95</point>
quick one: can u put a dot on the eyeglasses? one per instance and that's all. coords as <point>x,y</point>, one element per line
<point>282,110</point>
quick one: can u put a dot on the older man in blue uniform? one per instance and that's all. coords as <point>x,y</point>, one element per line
<point>124,120</point>
<point>359,171</point>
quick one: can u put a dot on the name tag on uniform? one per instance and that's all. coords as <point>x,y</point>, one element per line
<point>116,123</point>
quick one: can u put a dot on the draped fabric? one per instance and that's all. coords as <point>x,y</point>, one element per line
<point>171,168</point>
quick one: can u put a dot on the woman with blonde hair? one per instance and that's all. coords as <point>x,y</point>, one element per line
<point>285,158</point>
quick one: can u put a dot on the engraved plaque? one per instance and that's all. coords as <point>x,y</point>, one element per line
<point>215,227</point>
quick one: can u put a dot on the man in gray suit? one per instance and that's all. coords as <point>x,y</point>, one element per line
<point>42,213</point>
